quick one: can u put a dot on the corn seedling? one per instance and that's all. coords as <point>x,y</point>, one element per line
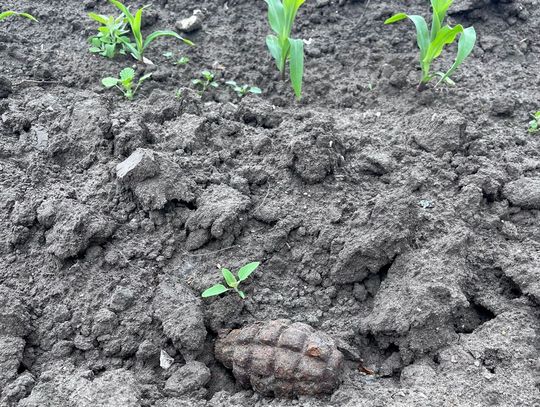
<point>10,13</point>
<point>281,15</point>
<point>243,90</point>
<point>179,61</point>
<point>231,281</point>
<point>205,82</point>
<point>111,37</point>
<point>138,48</point>
<point>534,124</point>
<point>431,43</point>
<point>126,83</point>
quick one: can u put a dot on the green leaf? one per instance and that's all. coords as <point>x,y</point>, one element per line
<point>255,90</point>
<point>465,46</point>
<point>127,74</point>
<point>440,7</point>
<point>241,294</point>
<point>272,42</point>
<point>109,82</point>
<point>214,290</point>
<point>99,18</point>
<point>276,15</point>
<point>10,13</point>
<point>229,277</point>
<point>396,18</point>
<point>297,66</point>
<point>122,8</point>
<point>246,270</point>
<point>231,83</point>
<point>164,33</point>
<point>446,35</point>
<point>144,77</point>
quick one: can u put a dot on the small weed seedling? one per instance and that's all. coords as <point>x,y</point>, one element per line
<point>180,61</point>
<point>126,82</point>
<point>205,82</point>
<point>243,90</point>
<point>281,15</point>
<point>232,281</point>
<point>534,124</point>
<point>432,43</point>
<point>138,48</point>
<point>10,13</point>
<point>111,37</point>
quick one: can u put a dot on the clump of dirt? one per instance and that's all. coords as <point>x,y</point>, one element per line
<point>403,225</point>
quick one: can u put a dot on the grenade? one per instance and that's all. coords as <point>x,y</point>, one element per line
<point>281,358</point>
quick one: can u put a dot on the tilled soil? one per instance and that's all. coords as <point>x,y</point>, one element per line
<point>405,225</point>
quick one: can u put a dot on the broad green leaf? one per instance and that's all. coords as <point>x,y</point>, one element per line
<point>297,66</point>
<point>99,18</point>
<point>276,15</point>
<point>229,277</point>
<point>465,46</point>
<point>275,50</point>
<point>127,74</point>
<point>214,290</point>
<point>164,33</point>
<point>396,18</point>
<point>446,35</point>
<point>122,8</point>
<point>422,32</point>
<point>109,82</point>
<point>231,83</point>
<point>255,90</point>
<point>246,270</point>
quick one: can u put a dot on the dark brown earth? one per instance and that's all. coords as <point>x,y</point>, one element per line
<point>405,225</point>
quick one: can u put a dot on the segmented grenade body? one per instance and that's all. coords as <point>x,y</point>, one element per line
<point>282,358</point>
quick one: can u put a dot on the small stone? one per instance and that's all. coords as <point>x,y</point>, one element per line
<point>104,322</point>
<point>147,350</point>
<point>121,299</point>
<point>190,377</point>
<point>192,23</point>
<point>525,192</point>
<point>138,166</point>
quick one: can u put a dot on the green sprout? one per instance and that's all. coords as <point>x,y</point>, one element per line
<point>126,82</point>
<point>111,37</point>
<point>432,43</point>
<point>534,124</point>
<point>281,15</point>
<point>138,48</point>
<point>232,281</point>
<point>243,90</point>
<point>206,81</point>
<point>180,61</point>
<point>9,13</point>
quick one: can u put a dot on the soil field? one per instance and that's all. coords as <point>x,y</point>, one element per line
<point>404,225</point>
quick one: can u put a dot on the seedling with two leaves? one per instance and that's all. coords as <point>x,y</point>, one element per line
<point>111,37</point>
<point>205,82</point>
<point>126,83</point>
<point>11,13</point>
<point>243,90</point>
<point>281,15</point>
<point>534,124</point>
<point>431,43</point>
<point>138,48</point>
<point>232,281</point>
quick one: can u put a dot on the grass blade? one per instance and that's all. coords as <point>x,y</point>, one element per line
<point>465,46</point>
<point>297,66</point>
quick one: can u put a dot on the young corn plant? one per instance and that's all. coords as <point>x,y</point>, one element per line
<point>281,15</point>
<point>534,124</point>
<point>111,37</point>
<point>205,82</point>
<point>243,90</point>
<point>232,281</point>
<point>126,83</point>
<point>138,48</point>
<point>10,13</point>
<point>431,42</point>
